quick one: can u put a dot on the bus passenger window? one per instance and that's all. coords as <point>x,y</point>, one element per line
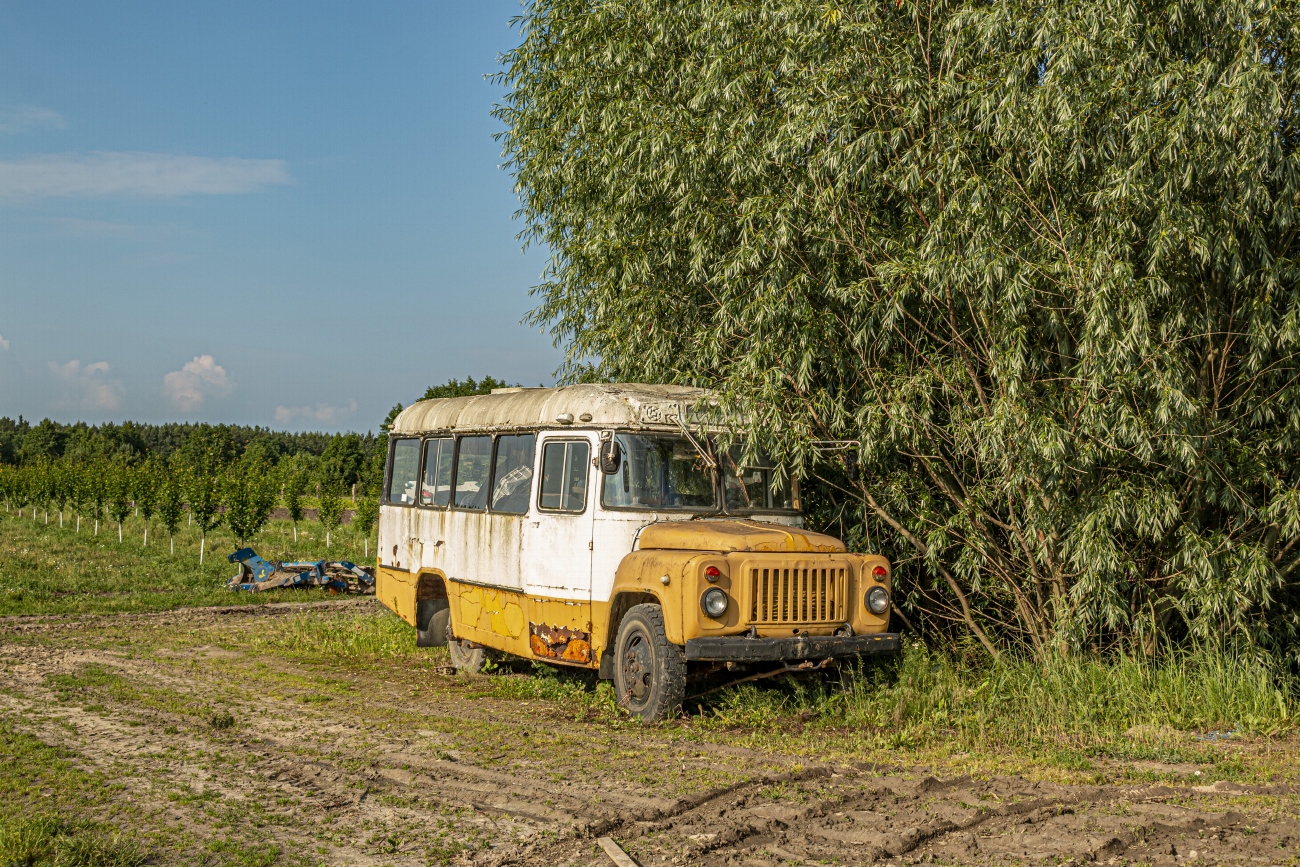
<point>513,474</point>
<point>473,462</point>
<point>401,480</point>
<point>564,476</point>
<point>435,490</point>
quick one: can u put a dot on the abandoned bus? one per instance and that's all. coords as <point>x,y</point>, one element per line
<point>590,526</point>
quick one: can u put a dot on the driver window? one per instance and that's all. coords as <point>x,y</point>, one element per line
<point>564,476</point>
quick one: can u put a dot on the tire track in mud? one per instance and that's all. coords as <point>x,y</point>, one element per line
<point>331,767</point>
<point>351,771</point>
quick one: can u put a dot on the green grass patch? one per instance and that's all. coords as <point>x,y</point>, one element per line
<point>45,569</point>
<point>345,635</point>
<point>49,841</point>
<point>925,698</point>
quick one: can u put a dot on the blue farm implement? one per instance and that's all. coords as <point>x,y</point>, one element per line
<point>338,576</point>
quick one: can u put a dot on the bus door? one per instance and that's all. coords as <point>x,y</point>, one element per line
<point>556,550</point>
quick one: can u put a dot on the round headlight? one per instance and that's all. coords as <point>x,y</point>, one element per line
<point>714,602</point>
<point>877,600</point>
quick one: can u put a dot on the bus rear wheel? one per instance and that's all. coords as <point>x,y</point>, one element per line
<point>466,656</point>
<point>649,671</point>
<point>433,616</point>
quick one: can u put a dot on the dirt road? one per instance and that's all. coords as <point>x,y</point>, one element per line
<point>217,751</point>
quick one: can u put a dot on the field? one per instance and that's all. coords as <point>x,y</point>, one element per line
<point>147,715</point>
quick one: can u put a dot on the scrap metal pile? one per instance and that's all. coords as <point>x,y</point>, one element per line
<point>338,576</point>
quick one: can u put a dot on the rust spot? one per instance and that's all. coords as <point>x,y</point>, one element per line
<point>559,642</point>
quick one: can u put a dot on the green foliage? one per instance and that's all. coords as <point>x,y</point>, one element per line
<point>367,513</point>
<point>1035,262</point>
<point>292,480</point>
<point>329,510</point>
<point>1016,702</point>
<point>117,491</point>
<point>171,500</point>
<point>249,495</point>
<point>47,841</point>
<point>455,388</point>
<point>343,462</point>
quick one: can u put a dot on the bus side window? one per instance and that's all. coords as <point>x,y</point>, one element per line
<point>436,487</point>
<point>512,477</point>
<point>473,465</point>
<point>402,478</point>
<point>564,476</point>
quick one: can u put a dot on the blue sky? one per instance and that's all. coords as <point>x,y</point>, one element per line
<point>286,214</point>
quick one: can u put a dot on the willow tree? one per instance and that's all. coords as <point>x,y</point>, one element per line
<point>1029,266</point>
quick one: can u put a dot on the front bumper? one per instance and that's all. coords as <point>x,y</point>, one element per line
<point>737,648</point>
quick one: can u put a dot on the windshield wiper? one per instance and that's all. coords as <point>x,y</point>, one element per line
<point>708,458</point>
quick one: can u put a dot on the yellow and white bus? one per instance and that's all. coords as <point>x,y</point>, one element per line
<point>590,526</point>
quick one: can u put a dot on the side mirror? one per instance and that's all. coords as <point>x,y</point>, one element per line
<point>611,457</point>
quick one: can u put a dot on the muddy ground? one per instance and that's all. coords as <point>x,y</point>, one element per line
<point>214,750</point>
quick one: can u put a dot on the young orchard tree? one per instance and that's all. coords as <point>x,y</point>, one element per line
<point>61,480</point>
<point>364,520</point>
<point>203,484</point>
<point>145,488</point>
<point>171,503</point>
<point>249,493</point>
<point>329,511</point>
<point>292,480</point>
<point>95,479</point>
<point>118,493</point>
<point>76,490</point>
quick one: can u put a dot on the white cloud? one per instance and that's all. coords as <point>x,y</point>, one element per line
<point>4,344</point>
<point>135,174</point>
<point>188,387</point>
<point>30,117</point>
<point>321,412</point>
<point>95,389</point>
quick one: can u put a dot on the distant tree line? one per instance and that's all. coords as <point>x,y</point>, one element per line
<point>335,461</point>
<point>202,474</point>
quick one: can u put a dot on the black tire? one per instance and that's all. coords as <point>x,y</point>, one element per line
<point>467,657</point>
<point>649,672</point>
<point>433,616</point>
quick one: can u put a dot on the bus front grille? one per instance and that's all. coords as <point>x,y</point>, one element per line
<point>797,593</point>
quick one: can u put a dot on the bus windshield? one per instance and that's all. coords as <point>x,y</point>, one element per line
<point>660,472</point>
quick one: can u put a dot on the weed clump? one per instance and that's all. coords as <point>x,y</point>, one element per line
<point>52,842</point>
<point>222,720</point>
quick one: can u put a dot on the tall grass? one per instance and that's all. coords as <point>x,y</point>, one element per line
<point>52,842</point>
<point>1067,701</point>
<point>345,636</point>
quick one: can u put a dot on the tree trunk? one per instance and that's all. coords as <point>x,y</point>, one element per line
<point>146,534</point>
<point>367,547</point>
<point>96,526</point>
<point>119,532</point>
<point>203,543</point>
<point>295,532</point>
<point>172,539</point>
<point>60,519</point>
<point>78,524</point>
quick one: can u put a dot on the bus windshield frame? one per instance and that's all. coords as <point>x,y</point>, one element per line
<point>664,472</point>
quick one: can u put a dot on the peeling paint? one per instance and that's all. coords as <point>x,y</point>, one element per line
<point>559,642</point>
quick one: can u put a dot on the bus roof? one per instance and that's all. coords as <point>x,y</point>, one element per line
<point>606,405</point>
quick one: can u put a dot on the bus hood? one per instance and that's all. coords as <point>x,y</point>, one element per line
<point>729,536</point>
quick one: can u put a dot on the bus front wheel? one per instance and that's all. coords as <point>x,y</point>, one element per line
<point>649,671</point>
